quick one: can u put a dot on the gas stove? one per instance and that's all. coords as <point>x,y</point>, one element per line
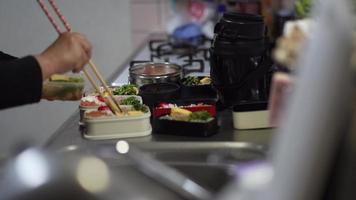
<point>194,59</point>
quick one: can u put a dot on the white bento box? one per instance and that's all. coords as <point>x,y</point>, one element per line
<point>114,127</point>
<point>118,98</point>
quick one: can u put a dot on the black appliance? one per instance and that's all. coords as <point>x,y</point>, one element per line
<point>239,59</point>
<point>248,6</point>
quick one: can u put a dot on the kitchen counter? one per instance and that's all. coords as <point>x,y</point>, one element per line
<point>69,135</point>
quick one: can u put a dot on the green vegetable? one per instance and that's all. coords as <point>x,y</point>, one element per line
<point>76,79</point>
<point>303,8</point>
<point>65,78</point>
<point>140,107</point>
<point>137,105</point>
<point>191,81</point>
<point>200,116</point>
<point>130,101</point>
<point>126,90</point>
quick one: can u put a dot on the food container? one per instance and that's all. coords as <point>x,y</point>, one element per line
<point>83,109</point>
<point>185,128</point>
<point>253,115</point>
<point>159,111</point>
<point>182,128</point>
<point>157,92</point>
<point>65,90</point>
<point>152,72</point>
<point>114,127</point>
<point>118,98</point>
<point>191,92</point>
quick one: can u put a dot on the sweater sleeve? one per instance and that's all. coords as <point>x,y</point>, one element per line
<point>21,82</point>
<point>6,57</point>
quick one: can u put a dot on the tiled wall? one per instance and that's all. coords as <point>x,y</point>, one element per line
<point>148,16</point>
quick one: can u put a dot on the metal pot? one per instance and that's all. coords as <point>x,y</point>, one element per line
<point>152,72</point>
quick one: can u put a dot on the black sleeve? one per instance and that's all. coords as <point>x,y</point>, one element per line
<point>21,82</point>
<point>6,57</point>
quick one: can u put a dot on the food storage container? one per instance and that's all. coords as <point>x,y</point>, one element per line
<point>66,90</point>
<point>83,109</point>
<point>118,98</point>
<point>114,127</point>
<point>253,115</point>
<point>182,128</point>
<point>158,111</point>
<point>185,128</point>
<point>191,92</point>
<point>156,92</point>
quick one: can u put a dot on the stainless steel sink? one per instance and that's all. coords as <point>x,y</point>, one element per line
<point>212,177</point>
<point>209,152</point>
<point>199,152</point>
<point>210,164</point>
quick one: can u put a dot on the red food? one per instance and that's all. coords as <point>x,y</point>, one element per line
<point>96,114</point>
<point>100,98</point>
<point>101,108</point>
<point>87,103</point>
<point>163,105</point>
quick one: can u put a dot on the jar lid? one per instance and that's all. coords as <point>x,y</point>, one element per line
<point>236,26</point>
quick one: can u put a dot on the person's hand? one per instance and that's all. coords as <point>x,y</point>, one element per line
<point>70,52</point>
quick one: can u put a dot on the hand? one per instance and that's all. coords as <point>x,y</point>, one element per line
<point>70,52</point>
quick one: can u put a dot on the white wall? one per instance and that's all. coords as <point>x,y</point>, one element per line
<point>156,14</point>
<point>25,30</point>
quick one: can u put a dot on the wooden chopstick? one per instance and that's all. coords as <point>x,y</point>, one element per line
<point>111,100</point>
<point>91,63</point>
<point>116,110</point>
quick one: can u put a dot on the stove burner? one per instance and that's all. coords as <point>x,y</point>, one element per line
<point>159,58</point>
<point>171,46</point>
<point>189,67</point>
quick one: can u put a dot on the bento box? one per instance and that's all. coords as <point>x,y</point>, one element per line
<point>193,87</point>
<point>252,115</point>
<point>63,87</point>
<point>99,125</point>
<point>93,102</point>
<point>198,120</point>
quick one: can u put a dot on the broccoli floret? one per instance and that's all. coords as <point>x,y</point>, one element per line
<point>200,116</point>
<point>126,90</point>
<point>130,101</point>
<point>191,81</point>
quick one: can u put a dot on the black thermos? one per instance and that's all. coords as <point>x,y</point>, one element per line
<point>240,60</point>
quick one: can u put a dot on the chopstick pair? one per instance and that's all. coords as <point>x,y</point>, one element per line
<point>114,106</point>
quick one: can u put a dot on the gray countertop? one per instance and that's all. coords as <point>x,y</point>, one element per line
<point>70,134</point>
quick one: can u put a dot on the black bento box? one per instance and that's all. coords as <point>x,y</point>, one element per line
<point>197,91</point>
<point>182,128</point>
